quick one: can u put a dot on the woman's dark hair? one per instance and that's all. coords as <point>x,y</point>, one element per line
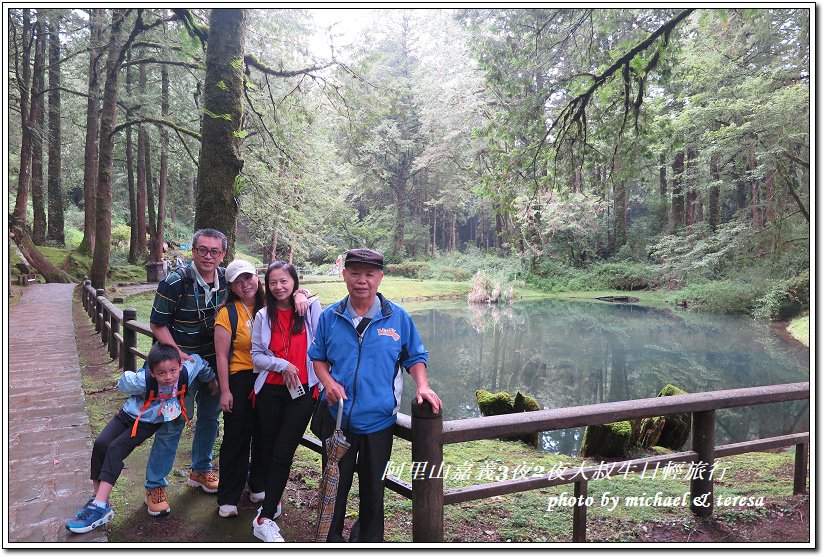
<point>260,299</point>
<point>271,302</point>
<point>160,353</point>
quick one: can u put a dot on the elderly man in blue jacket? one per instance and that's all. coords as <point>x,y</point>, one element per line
<point>360,346</point>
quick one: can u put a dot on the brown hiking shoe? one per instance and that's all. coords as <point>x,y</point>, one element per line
<point>157,502</point>
<point>207,480</point>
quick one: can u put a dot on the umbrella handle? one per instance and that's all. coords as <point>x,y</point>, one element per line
<point>340,413</point>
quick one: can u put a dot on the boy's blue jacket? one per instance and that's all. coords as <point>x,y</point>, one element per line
<point>369,369</point>
<point>134,383</point>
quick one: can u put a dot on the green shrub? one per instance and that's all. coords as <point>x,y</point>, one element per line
<point>73,237</point>
<point>626,275</point>
<point>408,270</point>
<point>785,298</point>
<point>453,273</point>
<point>552,275</point>
<point>120,237</point>
<point>730,297</point>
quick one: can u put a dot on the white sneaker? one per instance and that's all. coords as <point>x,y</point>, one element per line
<point>267,531</point>
<point>227,510</point>
<point>256,497</point>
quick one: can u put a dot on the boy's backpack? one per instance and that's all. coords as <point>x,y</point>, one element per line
<point>152,387</point>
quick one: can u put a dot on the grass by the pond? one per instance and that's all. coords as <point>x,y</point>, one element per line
<point>799,328</point>
<point>529,516</point>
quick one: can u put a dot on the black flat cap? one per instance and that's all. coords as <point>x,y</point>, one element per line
<point>365,256</point>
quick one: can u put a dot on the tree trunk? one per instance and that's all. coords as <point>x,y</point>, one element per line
<point>220,162</point>
<point>151,223</point>
<point>577,181</point>
<point>18,232</point>
<point>164,165</point>
<point>55,230</point>
<point>38,200</point>
<point>24,85</point>
<point>755,198</point>
<point>144,178</point>
<point>434,229</point>
<point>677,197</point>
<point>140,198</point>
<point>134,249</point>
<point>741,191</point>
<point>662,188</point>
<point>769,211</point>
<point>715,195</point>
<point>92,131</point>
<point>273,247</point>
<point>620,203</point>
<point>100,262</point>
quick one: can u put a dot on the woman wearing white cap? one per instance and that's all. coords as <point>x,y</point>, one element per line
<point>241,430</point>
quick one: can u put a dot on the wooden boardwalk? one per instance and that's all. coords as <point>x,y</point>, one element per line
<point>47,429</point>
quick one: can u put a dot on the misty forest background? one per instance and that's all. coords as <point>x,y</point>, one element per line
<point>559,148</point>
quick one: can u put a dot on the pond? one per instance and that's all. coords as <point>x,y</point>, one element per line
<point>568,353</point>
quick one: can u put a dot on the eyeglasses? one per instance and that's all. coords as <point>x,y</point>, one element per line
<point>203,252</point>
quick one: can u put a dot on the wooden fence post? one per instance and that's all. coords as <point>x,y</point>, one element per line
<point>85,294</point>
<point>579,513</point>
<point>427,474</point>
<point>89,301</point>
<point>129,340</point>
<point>98,311</point>
<point>800,475</point>
<point>703,443</point>
<point>114,329</point>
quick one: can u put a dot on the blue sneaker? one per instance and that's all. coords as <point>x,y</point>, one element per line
<point>90,517</point>
<point>83,508</point>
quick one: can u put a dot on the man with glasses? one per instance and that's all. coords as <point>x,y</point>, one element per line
<point>183,315</point>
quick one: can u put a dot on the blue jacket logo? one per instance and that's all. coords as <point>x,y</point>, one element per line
<point>390,333</point>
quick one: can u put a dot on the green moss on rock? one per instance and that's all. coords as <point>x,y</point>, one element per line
<point>607,440</point>
<point>525,403</point>
<point>672,431</point>
<point>501,403</point>
<point>494,404</point>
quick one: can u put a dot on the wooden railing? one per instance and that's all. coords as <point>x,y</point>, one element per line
<point>428,433</point>
<point>118,329</point>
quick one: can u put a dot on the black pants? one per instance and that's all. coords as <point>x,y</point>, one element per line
<point>115,443</point>
<point>282,423</point>
<point>241,439</point>
<point>368,456</point>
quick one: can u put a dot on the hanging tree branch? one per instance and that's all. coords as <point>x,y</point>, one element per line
<point>158,122</point>
<point>574,113</point>
<point>153,60</point>
<point>251,61</point>
<point>194,27</point>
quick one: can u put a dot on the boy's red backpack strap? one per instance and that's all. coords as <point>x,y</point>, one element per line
<point>181,395</point>
<point>145,407</point>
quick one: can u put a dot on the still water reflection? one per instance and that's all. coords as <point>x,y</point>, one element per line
<point>573,353</point>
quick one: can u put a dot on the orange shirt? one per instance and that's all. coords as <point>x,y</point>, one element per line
<point>242,345</point>
<point>288,346</point>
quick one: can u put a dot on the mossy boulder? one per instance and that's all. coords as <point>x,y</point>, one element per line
<point>611,440</point>
<point>497,404</point>
<point>494,404</point>
<point>670,432</point>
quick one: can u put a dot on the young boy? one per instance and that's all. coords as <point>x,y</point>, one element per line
<point>138,420</point>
